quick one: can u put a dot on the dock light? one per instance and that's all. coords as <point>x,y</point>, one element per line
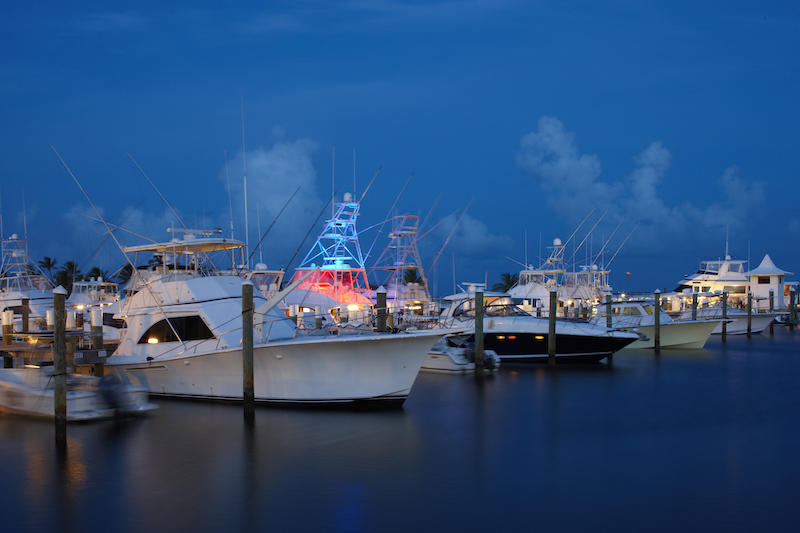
<point>78,307</point>
<point>353,307</point>
<point>152,340</point>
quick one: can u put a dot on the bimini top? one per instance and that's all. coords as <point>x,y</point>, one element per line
<point>190,244</point>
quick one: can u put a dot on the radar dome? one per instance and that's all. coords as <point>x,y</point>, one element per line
<point>556,242</point>
<point>348,197</point>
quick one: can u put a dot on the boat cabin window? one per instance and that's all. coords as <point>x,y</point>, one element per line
<point>734,289</point>
<point>189,328</point>
<point>631,311</point>
<point>503,306</point>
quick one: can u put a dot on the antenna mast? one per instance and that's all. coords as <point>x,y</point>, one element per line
<point>244,173</point>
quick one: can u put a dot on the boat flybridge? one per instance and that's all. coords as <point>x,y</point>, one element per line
<point>517,336</point>
<point>20,282</point>
<point>183,337</point>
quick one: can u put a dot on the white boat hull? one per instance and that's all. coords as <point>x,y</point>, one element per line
<point>346,369</point>
<point>22,393</point>
<point>738,326</point>
<point>679,335</point>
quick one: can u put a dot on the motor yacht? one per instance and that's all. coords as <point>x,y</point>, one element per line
<point>639,315</point>
<point>517,336</point>
<point>183,338</point>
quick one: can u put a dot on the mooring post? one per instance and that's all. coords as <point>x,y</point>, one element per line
<point>479,333</point>
<point>771,309</point>
<point>609,316</point>
<point>792,308</point>
<point>70,342</point>
<point>247,349</point>
<point>694,306</point>
<point>8,328</point>
<point>60,364</point>
<point>26,313</point>
<point>657,329</point>
<point>551,331</point>
<point>318,317</point>
<point>8,336</point>
<point>749,313</point>
<point>724,315</point>
<point>380,295</point>
<point>97,329</point>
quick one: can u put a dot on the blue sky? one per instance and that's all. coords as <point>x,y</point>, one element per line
<point>679,119</point>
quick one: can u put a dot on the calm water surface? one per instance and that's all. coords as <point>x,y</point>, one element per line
<point>702,440</point>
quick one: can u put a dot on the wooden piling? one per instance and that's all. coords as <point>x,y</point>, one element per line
<point>8,328</point>
<point>609,311</point>
<point>478,333</point>
<point>248,382</point>
<point>551,331</point>
<point>60,364</point>
<point>724,316</point>
<point>97,329</point>
<point>380,295</point>
<point>771,309</point>
<point>657,329</point>
<point>749,313</point>
<point>694,306</point>
<point>792,308</point>
<point>26,313</point>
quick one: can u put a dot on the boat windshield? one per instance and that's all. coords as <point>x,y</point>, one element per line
<point>502,306</point>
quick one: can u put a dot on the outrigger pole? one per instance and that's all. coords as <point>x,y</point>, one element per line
<point>108,229</point>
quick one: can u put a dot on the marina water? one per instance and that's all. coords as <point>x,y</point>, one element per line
<point>689,440</point>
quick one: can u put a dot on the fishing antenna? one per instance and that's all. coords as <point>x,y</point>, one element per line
<point>244,174</point>
<point>273,222</point>
<point>230,202</point>
<point>623,244</point>
<point>151,183</point>
<point>155,300</point>
<point>587,236</point>
<point>388,215</point>
<point>448,238</point>
<point>309,231</point>
<point>600,253</point>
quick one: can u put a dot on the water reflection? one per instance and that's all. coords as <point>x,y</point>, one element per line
<point>712,432</point>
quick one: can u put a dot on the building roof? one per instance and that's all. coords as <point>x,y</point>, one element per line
<point>767,267</point>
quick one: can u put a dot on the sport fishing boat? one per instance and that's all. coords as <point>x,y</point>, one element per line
<point>20,282</point>
<point>183,338</point>
<point>639,315</point>
<point>29,391</point>
<point>517,336</point>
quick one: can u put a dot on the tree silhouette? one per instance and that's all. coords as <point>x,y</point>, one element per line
<point>68,274</point>
<point>412,276</point>
<point>507,281</point>
<point>48,263</point>
<point>98,274</point>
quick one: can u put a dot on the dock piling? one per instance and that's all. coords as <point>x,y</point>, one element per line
<point>26,313</point>
<point>657,329</point>
<point>478,333</point>
<point>749,313</point>
<point>248,393</point>
<point>551,332</point>
<point>724,315</point>
<point>381,309</point>
<point>60,364</point>
<point>609,317</point>
<point>694,306</point>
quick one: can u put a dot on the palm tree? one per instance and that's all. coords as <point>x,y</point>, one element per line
<point>68,274</point>
<point>124,274</point>
<point>507,281</point>
<point>48,263</point>
<point>96,273</point>
<point>412,276</point>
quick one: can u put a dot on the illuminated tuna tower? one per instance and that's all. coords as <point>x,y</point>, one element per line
<point>338,253</point>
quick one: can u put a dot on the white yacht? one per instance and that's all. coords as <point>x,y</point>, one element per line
<point>639,315</point>
<point>20,281</point>
<point>517,336</point>
<point>183,338</point>
<point>29,391</point>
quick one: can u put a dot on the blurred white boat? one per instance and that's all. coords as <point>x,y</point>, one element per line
<point>29,391</point>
